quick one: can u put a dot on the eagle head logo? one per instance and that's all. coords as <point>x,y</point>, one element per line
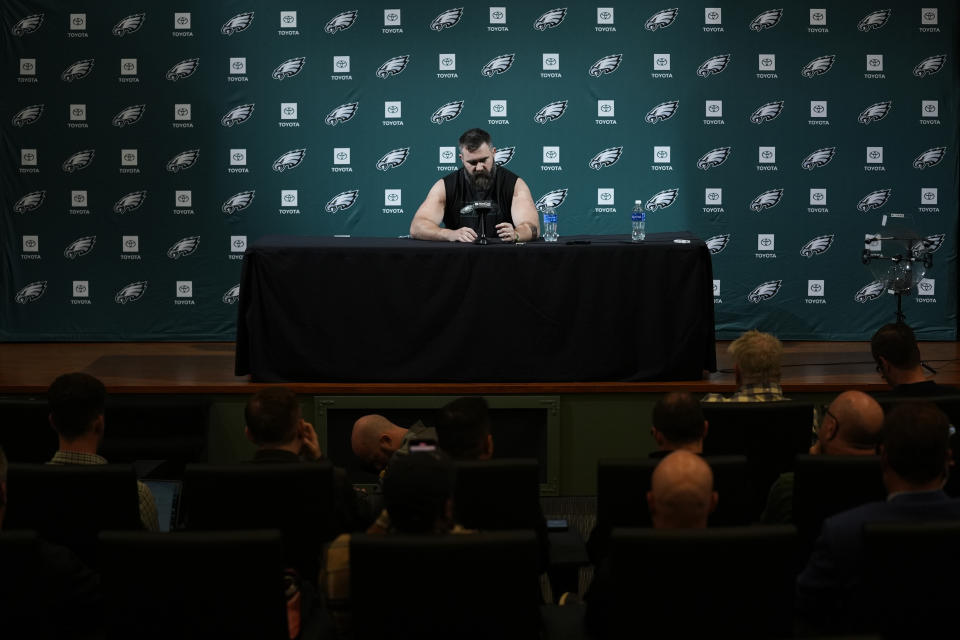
<point>818,245</point>
<point>393,66</point>
<point>238,23</point>
<point>553,199</point>
<point>79,160</point>
<point>237,115</point>
<point>183,247</point>
<point>661,112</point>
<point>129,115</point>
<point>183,160</point>
<point>714,65</point>
<point>929,66</point>
<point>130,202</point>
<point>393,159</point>
<point>289,160</point>
<point>31,292</point>
<point>131,293</point>
<point>874,200</point>
<point>662,199</point>
<point>130,24</point>
<point>870,291</point>
<point>767,112</point>
<point>30,24</point>
<point>818,66</point>
<point>341,201</point>
<point>766,20</point>
<point>343,113</point>
<point>78,70</point>
<point>238,202</point>
<point>819,158</point>
<point>27,115</point>
<point>874,20</point>
<point>606,64</point>
<point>929,158</point>
<point>661,19</point>
<point>875,112</point>
<point>30,202</point>
<point>288,68</point>
<point>716,244</point>
<point>713,158</point>
<point>500,64</point>
<point>550,19</point>
<point>341,22</point>
<point>447,112</point>
<point>79,247</point>
<point>232,295</point>
<point>446,20</point>
<point>767,200</point>
<point>551,111</point>
<point>765,291</point>
<point>183,69</point>
<point>504,155</point>
<point>606,158</point>
<point>930,244</point>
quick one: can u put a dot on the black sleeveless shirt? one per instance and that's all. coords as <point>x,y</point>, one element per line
<point>461,193</point>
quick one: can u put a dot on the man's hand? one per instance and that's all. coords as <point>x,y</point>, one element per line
<point>506,232</point>
<point>310,449</point>
<point>463,234</point>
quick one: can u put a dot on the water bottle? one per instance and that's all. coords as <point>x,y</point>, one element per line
<point>639,220</point>
<point>550,224</point>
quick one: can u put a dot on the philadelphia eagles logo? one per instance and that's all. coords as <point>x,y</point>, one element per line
<point>31,292</point>
<point>713,158</point>
<point>870,292</point>
<point>341,201</point>
<point>183,69</point>
<point>766,20</point>
<point>393,66</point>
<point>289,68</point>
<point>875,112</point>
<point>129,115</point>
<point>767,200</point>
<point>819,158</point>
<point>447,19</point>
<point>818,245</point>
<point>183,247</point>
<point>930,244</point>
<point>341,22</point>
<point>289,160</point>
<point>500,64</point>
<point>714,65</point>
<point>874,200</point>
<point>237,23</point>
<point>662,199</point>
<point>393,159</point>
<point>30,24</point>
<point>606,64</point>
<point>874,20</point>
<point>551,111</point>
<point>553,198</point>
<point>765,291</point>
<point>131,293</point>
<point>30,202</point>
<point>767,112</point>
<point>79,247</point>
<point>343,113</point>
<point>504,155</point>
<point>929,66</point>
<point>78,70</point>
<point>606,158</point>
<point>130,202</point>
<point>447,112</point>
<point>929,158</point>
<point>661,19</point>
<point>818,66</point>
<point>238,202</point>
<point>79,160</point>
<point>550,19</point>
<point>183,160</point>
<point>661,112</point>
<point>237,115</point>
<point>27,115</point>
<point>232,295</point>
<point>716,244</point>
<point>130,24</point>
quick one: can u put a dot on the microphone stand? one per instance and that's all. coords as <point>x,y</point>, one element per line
<point>482,236</point>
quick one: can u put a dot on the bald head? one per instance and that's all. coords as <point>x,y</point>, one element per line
<point>374,439</point>
<point>681,492</point>
<point>852,426</point>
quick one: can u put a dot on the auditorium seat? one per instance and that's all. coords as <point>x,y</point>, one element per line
<point>71,504</point>
<point>770,434</point>
<point>25,432</point>
<point>199,586</point>
<point>296,498</point>
<point>480,585</point>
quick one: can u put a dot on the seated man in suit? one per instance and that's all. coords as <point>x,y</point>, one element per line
<point>894,349</point>
<point>914,458</point>
<point>851,426</point>
<point>678,423</point>
<point>275,424</point>
<point>756,358</point>
<point>77,403</point>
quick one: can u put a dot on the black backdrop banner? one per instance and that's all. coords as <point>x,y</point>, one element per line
<point>144,145</point>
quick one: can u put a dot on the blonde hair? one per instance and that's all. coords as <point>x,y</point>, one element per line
<point>758,356</point>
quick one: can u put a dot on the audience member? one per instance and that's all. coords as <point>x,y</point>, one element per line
<point>375,440</point>
<point>77,403</point>
<point>851,426</point>
<point>463,429</point>
<point>756,358</point>
<point>275,424</point>
<point>894,349</point>
<point>914,460</point>
<point>678,424</point>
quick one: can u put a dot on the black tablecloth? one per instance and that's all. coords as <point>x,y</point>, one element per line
<point>403,310</point>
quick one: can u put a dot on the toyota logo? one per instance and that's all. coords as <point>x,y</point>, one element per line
<point>392,17</point>
<point>713,195</point>
<point>130,244</point>
<point>606,108</point>
<point>766,242</point>
<point>662,154</point>
<point>447,61</point>
<point>766,155</point>
<point>447,155</point>
<point>550,61</point>
<point>183,198</point>
<point>716,289</point>
<point>77,112</point>
<point>930,108</point>
<point>874,155</point>
<point>289,111</point>
<point>79,198</point>
<point>78,20</point>
<point>818,196</point>
<point>129,157</point>
<point>288,19</point>
<point>393,197</point>
<point>289,197</point>
<point>238,243</point>
<point>29,157</point>
<point>605,15</point>
<point>183,20</point>
<point>341,64</point>
<point>930,15</point>
<point>80,288</point>
<point>30,243</point>
<point>238,64</point>
<point>926,286</point>
<point>661,62</point>
<point>929,195</point>
<point>816,287</point>
<point>766,62</point>
<point>551,154</point>
<point>714,108</point>
<point>874,62</point>
<point>605,196</point>
<point>819,108</point>
<point>239,156</point>
<point>818,16</point>
<point>128,66</point>
<point>713,15</point>
<point>499,108</point>
<point>182,111</point>
<point>393,109</point>
<point>342,155</point>
<point>184,288</point>
<point>497,15</point>
<point>27,66</point>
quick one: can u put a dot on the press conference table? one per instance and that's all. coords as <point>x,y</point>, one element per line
<point>587,308</point>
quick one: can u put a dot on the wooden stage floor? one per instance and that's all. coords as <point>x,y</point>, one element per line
<point>207,368</point>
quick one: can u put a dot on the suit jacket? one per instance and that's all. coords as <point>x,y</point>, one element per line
<point>829,588</point>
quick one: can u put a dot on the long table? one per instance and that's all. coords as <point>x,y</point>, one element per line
<point>590,308</point>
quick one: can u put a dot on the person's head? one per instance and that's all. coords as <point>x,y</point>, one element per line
<point>915,451</point>
<point>678,423</point>
<point>463,429</point>
<point>273,417</point>
<point>3,486</point>
<point>756,356</point>
<point>681,492</point>
<point>851,426</point>
<point>76,403</point>
<point>374,439</point>
<point>418,492</point>
<point>478,153</point>
<point>894,349</point>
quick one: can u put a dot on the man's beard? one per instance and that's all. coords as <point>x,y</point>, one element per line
<point>482,181</point>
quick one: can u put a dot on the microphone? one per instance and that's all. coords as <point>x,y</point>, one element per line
<point>481,208</point>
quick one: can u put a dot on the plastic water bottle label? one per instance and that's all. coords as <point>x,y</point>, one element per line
<point>550,218</point>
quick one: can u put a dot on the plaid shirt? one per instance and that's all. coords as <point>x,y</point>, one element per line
<point>750,393</point>
<point>148,508</point>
